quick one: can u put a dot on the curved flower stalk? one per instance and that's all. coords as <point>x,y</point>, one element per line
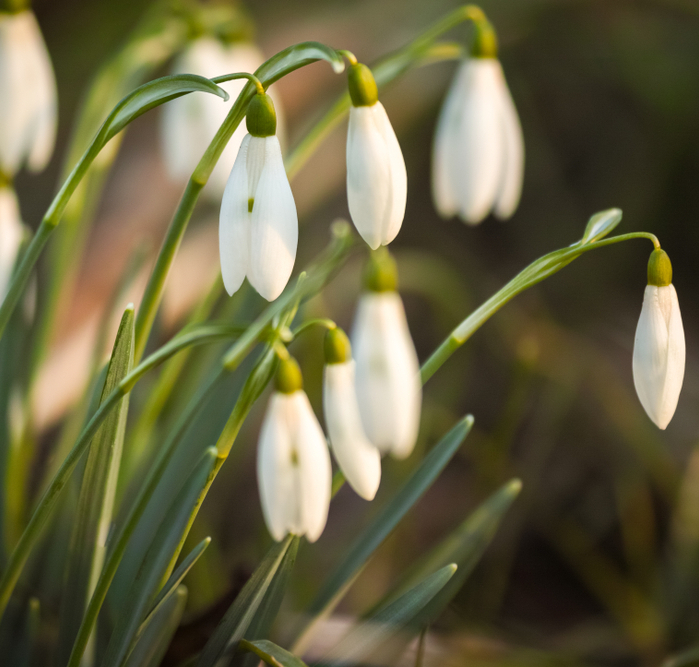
<point>377,182</point>
<point>11,235</point>
<point>478,155</point>
<point>293,464</point>
<point>388,381</point>
<point>258,225</point>
<point>659,348</point>
<point>190,123</point>
<point>28,104</point>
<point>359,460</point>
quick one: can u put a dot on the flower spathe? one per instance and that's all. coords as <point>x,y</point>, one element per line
<point>293,467</point>
<point>28,104</point>
<point>478,154</point>
<point>11,234</point>
<point>377,182</point>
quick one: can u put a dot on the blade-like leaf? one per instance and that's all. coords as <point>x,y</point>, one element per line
<point>270,653</point>
<point>600,224</point>
<point>24,643</point>
<point>157,634</point>
<point>237,619</point>
<point>688,658</point>
<point>97,492</point>
<point>149,577</point>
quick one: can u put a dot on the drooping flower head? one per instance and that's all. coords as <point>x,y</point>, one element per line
<point>478,155</point>
<point>388,382</point>
<point>258,224</point>
<point>293,464</point>
<point>659,347</point>
<point>359,459</point>
<point>377,182</point>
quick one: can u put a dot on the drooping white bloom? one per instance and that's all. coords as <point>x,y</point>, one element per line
<point>388,382</point>
<point>293,467</point>
<point>659,354</point>
<point>478,155</point>
<point>28,106</point>
<point>359,459</point>
<point>190,122</point>
<point>11,234</point>
<point>377,182</point>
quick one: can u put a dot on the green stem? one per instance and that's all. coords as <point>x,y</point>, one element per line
<point>320,322</point>
<point>241,75</point>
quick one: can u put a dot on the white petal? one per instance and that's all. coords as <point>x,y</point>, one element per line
<point>358,459</point>
<point>274,228</point>
<point>11,234</point>
<point>513,161</point>
<point>388,385</point>
<point>659,354</point>
<point>234,224</point>
<point>314,468</point>
<point>369,189</point>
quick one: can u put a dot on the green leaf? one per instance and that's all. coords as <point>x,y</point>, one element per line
<point>296,56</point>
<point>97,492</point>
<point>146,583</point>
<point>23,644</point>
<point>240,614</point>
<point>600,224</point>
<point>151,646</point>
<point>270,653</point>
<point>375,639</point>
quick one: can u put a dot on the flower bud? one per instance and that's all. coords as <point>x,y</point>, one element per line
<point>381,273</point>
<point>288,378</point>
<point>362,86</point>
<point>261,119</point>
<point>337,347</point>
<point>659,269</point>
<point>485,41</point>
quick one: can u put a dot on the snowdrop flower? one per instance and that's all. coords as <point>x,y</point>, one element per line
<point>358,459</point>
<point>11,235</point>
<point>28,99</point>
<point>478,155</point>
<point>377,183</point>
<point>659,350</point>
<point>293,464</point>
<point>388,381</point>
<point>190,122</point>
<point>258,225</point>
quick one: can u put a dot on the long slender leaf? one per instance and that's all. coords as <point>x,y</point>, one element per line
<point>270,653</point>
<point>97,492</point>
<point>24,643</point>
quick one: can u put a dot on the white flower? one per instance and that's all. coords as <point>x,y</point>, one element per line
<point>659,354</point>
<point>478,156</point>
<point>388,382</point>
<point>190,122</point>
<point>28,97</point>
<point>258,225</point>
<point>377,182</point>
<point>11,234</point>
<point>293,467</point>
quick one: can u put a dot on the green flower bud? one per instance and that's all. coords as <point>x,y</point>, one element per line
<point>289,378</point>
<point>261,119</point>
<point>659,268</point>
<point>485,41</point>
<point>337,347</point>
<point>381,273</point>
<point>362,86</point>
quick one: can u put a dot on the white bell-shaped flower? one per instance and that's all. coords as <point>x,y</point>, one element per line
<point>388,380</point>
<point>659,347</point>
<point>359,459</point>
<point>377,182</point>
<point>258,224</point>
<point>191,122</point>
<point>478,154</point>
<point>11,235</point>
<point>28,104</point>
<point>293,463</point>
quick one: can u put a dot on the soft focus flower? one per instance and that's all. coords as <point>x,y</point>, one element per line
<point>377,183</point>
<point>388,381</point>
<point>358,459</point>
<point>258,225</point>
<point>28,99</point>
<point>478,156</point>
<point>11,234</point>
<point>190,122</point>
<point>659,348</point>
<point>293,464</point>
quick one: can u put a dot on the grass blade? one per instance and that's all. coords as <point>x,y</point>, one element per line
<point>270,653</point>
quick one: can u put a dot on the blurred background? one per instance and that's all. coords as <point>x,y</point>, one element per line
<point>597,562</point>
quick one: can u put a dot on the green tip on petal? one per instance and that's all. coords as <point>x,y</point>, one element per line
<point>261,119</point>
<point>362,86</point>
<point>659,269</point>
<point>485,41</point>
<point>289,378</point>
<point>381,273</point>
<point>337,347</point>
